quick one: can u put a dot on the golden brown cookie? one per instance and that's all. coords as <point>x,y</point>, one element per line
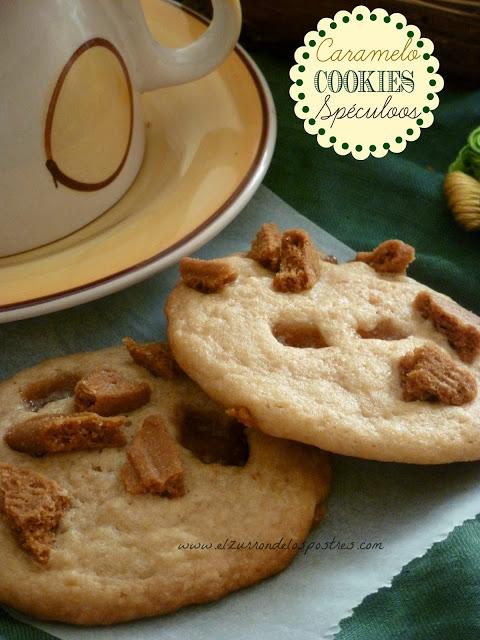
<point>323,365</point>
<point>129,543</point>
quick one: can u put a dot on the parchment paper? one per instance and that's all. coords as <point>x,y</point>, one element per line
<point>399,510</point>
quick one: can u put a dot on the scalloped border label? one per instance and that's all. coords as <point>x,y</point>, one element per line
<point>365,82</point>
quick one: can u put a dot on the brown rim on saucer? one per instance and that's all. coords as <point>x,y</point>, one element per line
<point>250,177</point>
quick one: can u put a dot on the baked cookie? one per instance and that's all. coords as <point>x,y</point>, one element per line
<point>108,524</point>
<point>356,358</point>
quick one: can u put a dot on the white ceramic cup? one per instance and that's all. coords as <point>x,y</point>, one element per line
<point>71,126</point>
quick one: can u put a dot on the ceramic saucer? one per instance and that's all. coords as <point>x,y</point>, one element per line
<point>209,144</point>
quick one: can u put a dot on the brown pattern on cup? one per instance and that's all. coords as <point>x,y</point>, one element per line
<point>89,124</point>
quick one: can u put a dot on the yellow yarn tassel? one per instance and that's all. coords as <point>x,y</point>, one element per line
<point>462,186</point>
<point>463,196</point>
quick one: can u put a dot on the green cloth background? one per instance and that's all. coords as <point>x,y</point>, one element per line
<point>436,597</point>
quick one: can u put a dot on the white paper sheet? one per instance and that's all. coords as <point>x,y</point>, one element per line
<point>403,508</point>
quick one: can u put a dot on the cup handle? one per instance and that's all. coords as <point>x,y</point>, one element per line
<point>159,66</point>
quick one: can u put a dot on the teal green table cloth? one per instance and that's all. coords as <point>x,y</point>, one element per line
<point>362,203</point>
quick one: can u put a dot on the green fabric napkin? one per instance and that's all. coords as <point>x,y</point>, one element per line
<point>362,203</point>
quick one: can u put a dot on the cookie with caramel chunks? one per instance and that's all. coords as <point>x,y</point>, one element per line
<point>101,536</point>
<point>318,360</point>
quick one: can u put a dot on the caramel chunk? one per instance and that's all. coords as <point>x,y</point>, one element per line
<point>155,464</point>
<point>60,433</point>
<point>57,387</point>
<point>108,393</point>
<point>385,329</point>
<point>299,263</point>
<point>455,323</point>
<point>131,480</point>
<point>266,246</point>
<point>32,506</point>
<point>301,335</point>
<point>155,357</point>
<point>428,373</point>
<point>214,437</point>
<point>392,256</point>
<point>207,276</point>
